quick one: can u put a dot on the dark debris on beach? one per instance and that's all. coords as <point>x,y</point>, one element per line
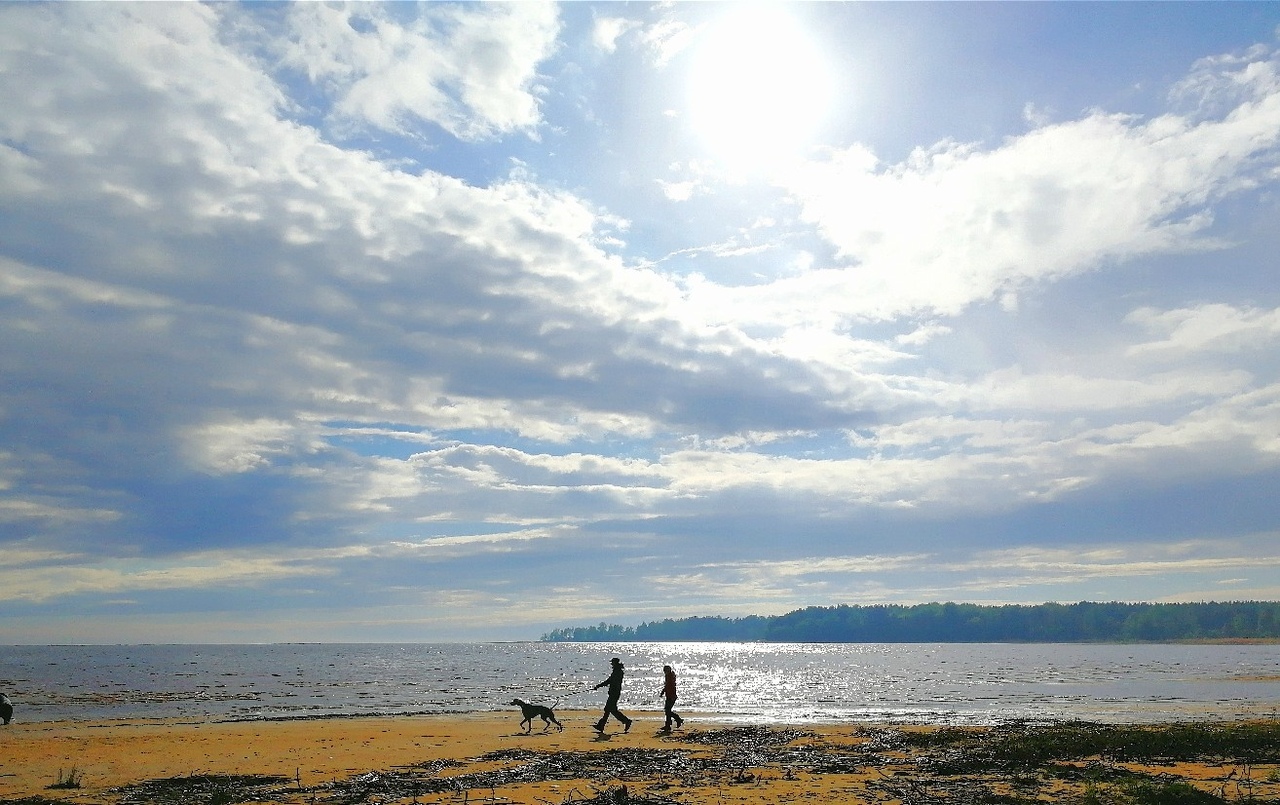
<point>1012,764</point>
<point>519,767</point>
<point>204,789</point>
<point>754,736</point>
<point>1018,763</point>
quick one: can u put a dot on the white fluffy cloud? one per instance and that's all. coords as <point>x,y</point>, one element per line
<point>1207,328</point>
<point>248,342</point>
<point>471,70</point>
<point>960,223</point>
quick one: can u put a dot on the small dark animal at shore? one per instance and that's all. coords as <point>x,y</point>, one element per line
<point>6,708</point>
<point>532,711</point>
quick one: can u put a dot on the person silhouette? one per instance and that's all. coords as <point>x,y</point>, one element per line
<point>669,696</point>
<point>614,682</point>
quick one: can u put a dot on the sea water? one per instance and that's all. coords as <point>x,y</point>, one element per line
<point>952,683</point>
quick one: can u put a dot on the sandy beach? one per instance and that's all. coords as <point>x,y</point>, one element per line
<point>485,757</point>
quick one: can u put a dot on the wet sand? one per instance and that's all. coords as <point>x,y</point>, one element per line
<point>485,757</point>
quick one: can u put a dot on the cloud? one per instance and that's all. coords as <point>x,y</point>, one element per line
<point>606,31</point>
<point>472,71</point>
<point>957,224</point>
<point>235,445</point>
<point>1207,328</point>
<point>667,37</point>
<point>248,342</point>
<point>1026,574</point>
<point>771,587</point>
<point>203,570</point>
<point>1010,389</point>
<point>678,191</point>
<point>446,547</point>
<point>1041,566</point>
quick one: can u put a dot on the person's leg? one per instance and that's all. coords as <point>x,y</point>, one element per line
<point>610,707</point>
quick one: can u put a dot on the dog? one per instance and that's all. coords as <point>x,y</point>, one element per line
<point>532,711</point>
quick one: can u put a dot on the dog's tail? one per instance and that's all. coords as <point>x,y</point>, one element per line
<point>554,705</point>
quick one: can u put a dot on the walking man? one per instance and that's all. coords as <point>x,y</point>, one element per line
<point>611,704</point>
<point>669,695</point>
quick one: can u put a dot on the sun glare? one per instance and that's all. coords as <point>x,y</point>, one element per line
<point>758,88</point>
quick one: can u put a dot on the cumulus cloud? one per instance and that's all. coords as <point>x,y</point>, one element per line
<point>1208,328</point>
<point>960,223</point>
<point>606,31</point>
<point>471,70</point>
<point>248,342</point>
<point>667,37</point>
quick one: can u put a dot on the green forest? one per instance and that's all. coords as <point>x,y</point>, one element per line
<point>1084,622</point>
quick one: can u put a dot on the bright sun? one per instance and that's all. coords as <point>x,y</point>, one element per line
<point>758,88</point>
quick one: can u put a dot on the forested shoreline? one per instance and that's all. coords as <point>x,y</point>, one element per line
<point>1084,622</point>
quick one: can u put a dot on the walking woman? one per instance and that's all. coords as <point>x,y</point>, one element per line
<point>669,694</point>
<point>614,683</point>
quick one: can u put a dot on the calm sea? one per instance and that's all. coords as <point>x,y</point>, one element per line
<point>739,682</point>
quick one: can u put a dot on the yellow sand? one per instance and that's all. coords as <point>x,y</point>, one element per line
<point>105,756</point>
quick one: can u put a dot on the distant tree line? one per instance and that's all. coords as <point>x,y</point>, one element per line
<point>1084,622</point>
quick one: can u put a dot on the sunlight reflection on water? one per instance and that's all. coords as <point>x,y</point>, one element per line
<point>738,682</point>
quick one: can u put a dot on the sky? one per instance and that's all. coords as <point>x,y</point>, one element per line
<point>456,322</point>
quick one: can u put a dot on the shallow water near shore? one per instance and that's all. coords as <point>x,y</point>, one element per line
<point>952,683</point>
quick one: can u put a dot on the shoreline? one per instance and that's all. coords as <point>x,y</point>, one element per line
<point>440,758</point>
<point>924,721</point>
<point>817,718</point>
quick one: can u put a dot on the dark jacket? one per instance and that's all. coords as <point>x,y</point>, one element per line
<point>614,681</point>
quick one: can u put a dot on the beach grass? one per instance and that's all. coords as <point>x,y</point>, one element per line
<point>69,780</point>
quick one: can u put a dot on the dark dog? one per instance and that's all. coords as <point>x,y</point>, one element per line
<point>532,711</point>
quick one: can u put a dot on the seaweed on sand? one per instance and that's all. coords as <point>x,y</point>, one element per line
<point>1020,761</point>
<point>740,749</point>
<point>1021,744</point>
<point>609,764</point>
<point>754,737</point>
<point>529,767</point>
<point>621,796</point>
<point>980,790</point>
<point>203,789</point>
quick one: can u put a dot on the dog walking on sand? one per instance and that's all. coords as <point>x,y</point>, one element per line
<point>532,711</point>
